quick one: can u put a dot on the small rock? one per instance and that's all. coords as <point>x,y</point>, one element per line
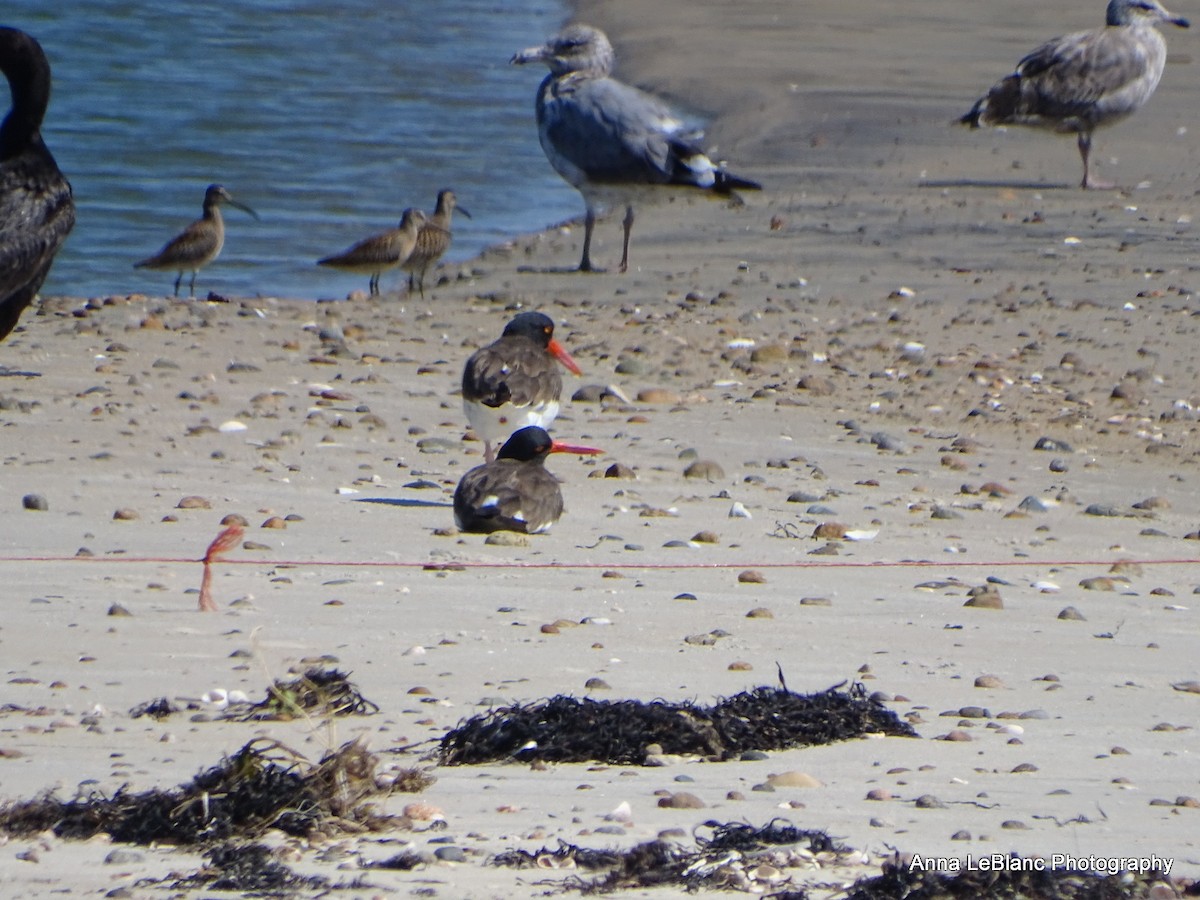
<point>681,800</point>
<point>705,469</point>
<point>1071,614</point>
<point>35,501</point>
<point>751,576</point>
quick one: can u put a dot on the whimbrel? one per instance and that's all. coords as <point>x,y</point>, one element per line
<point>381,252</point>
<point>198,244</point>
<point>514,381</point>
<point>432,241</point>
<point>610,141</point>
<point>1079,82</point>
<point>36,209</point>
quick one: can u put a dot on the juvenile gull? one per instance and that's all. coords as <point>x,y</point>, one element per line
<point>381,252</point>
<point>609,140</point>
<point>433,240</point>
<point>198,244</point>
<point>36,209</point>
<point>1079,82</point>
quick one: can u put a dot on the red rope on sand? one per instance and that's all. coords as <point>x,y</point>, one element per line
<point>615,566</point>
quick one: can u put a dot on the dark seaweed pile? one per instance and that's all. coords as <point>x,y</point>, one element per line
<point>261,786</point>
<point>320,692</point>
<point>570,729</point>
<point>899,882</point>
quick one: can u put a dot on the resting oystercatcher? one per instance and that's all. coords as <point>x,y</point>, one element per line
<point>514,492</point>
<point>514,381</point>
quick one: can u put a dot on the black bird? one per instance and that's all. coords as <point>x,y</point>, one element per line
<point>36,209</point>
<point>514,492</point>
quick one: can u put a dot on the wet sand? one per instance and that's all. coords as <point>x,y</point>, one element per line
<point>924,336</point>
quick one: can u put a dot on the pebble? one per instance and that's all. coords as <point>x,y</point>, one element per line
<point>35,502</point>
<point>620,470</point>
<point>928,801</point>
<point>793,779</point>
<point>751,576</point>
<point>987,598</point>
<point>988,681</point>
<point>193,502</point>
<point>1070,613</point>
<point>739,511</point>
<point>125,514</point>
<point>681,800</point>
<point>450,854</point>
<point>705,469</point>
<point>760,612</point>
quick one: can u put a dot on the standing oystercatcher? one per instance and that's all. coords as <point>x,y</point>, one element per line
<point>514,492</point>
<point>514,381</point>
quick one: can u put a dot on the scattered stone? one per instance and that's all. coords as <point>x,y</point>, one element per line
<point>681,800</point>
<point>193,502</point>
<point>1071,614</point>
<point>125,514</point>
<point>760,612</point>
<point>35,502</point>
<point>793,779</point>
<point>988,681</point>
<point>704,469</point>
<point>751,576</point>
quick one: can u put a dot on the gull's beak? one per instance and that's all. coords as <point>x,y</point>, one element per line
<point>528,55</point>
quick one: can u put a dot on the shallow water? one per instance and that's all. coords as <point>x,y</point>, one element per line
<point>327,119</point>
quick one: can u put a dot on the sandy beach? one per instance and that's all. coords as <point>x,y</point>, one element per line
<point>926,368</point>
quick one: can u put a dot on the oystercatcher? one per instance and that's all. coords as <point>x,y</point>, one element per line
<point>514,381</point>
<point>514,492</point>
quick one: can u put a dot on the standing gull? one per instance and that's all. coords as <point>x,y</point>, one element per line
<point>36,209</point>
<point>612,142</point>
<point>433,240</point>
<point>382,252</point>
<point>198,244</point>
<point>1076,83</point>
<point>514,492</point>
<point>514,381</point>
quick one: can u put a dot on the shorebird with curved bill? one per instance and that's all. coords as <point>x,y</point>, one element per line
<point>432,241</point>
<point>612,142</point>
<point>381,252</point>
<point>514,492</point>
<point>514,381</point>
<point>36,208</point>
<point>1079,82</point>
<point>198,244</point>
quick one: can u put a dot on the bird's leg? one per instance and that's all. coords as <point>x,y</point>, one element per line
<point>1085,150</point>
<point>192,286</point>
<point>627,224</point>
<point>178,278</point>
<point>489,455</point>
<point>411,282</point>
<point>589,222</point>
<point>373,285</point>
<point>421,285</point>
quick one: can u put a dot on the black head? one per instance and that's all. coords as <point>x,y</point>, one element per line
<point>536,326</point>
<point>526,444</point>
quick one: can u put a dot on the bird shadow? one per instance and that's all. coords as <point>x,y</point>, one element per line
<point>558,270</point>
<point>998,185</point>
<point>405,501</point>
